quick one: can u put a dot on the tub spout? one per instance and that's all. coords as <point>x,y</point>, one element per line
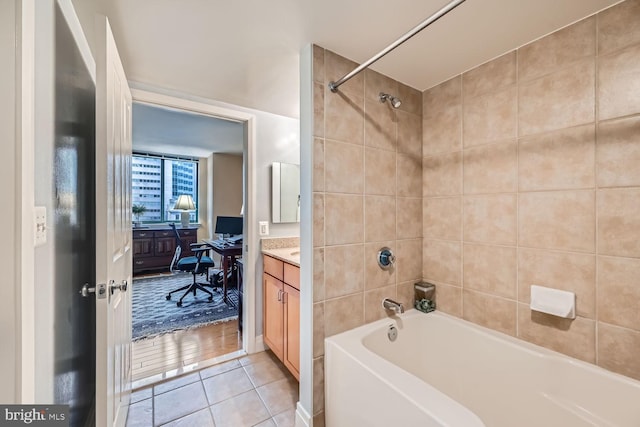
<point>392,305</point>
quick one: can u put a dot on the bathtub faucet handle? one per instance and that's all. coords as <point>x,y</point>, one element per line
<point>389,304</point>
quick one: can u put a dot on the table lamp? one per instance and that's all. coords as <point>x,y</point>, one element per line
<point>185,205</point>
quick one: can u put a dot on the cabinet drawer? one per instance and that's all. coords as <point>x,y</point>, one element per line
<point>292,275</point>
<point>163,233</point>
<point>187,233</point>
<point>142,234</point>
<point>274,267</point>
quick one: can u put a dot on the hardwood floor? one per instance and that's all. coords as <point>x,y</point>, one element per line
<point>170,351</point>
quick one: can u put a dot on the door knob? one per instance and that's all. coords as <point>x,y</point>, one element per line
<point>88,289</point>
<point>121,287</point>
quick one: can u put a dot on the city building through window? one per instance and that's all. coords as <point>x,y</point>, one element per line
<point>158,181</point>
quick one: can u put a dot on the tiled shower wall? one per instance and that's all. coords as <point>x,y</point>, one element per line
<point>532,176</point>
<point>524,170</point>
<point>367,187</point>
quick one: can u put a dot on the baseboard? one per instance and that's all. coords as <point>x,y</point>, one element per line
<point>303,419</point>
<point>260,344</point>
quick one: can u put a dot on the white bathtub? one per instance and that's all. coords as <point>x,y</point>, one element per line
<point>444,371</point>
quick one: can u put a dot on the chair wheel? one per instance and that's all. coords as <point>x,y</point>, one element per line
<point>179,303</point>
<point>168,297</point>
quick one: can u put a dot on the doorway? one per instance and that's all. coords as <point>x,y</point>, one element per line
<point>185,342</point>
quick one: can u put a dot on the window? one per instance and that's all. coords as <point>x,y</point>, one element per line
<point>157,181</point>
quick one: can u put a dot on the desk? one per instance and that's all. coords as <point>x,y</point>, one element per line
<point>228,254</point>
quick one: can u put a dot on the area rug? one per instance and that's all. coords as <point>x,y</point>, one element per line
<point>154,315</point>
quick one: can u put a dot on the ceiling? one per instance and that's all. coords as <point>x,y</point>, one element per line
<point>247,52</point>
<point>168,131</point>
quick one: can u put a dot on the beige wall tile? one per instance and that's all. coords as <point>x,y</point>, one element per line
<point>318,110</point>
<point>344,117</point>
<point>442,114</point>
<point>409,133</point>
<point>318,64</point>
<point>373,303</point>
<point>379,218</point>
<point>411,99</point>
<point>409,259</point>
<point>318,219</point>
<point>346,273</point>
<point>442,261</point>
<point>442,218</point>
<point>491,76</point>
<point>318,329</point>
<point>490,117</point>
<point>557,50</point>
<point>409,218</point>
<point>343,314</point>
<point>490,219</point>
<point>442,96</point>
<point>489,311</point>
<point>318,274</point>
<point>404,294</point>
<point>618,291</point>
<point>619,83</point>
<point>442,175</point>
<point>557,220</point>
<point>449,299</point>
<point>571,272</point>
<point>344,167</point>
<point>442,131</point>
<point>617,27</point>
<point>618,153</point>
<point>380,171</point>
<point>575,338</point>
<point>318,164</point>
<point>380,125</point>
<point>558,160</point>
<point>562,99</point>
<point>409,179</point>
<point>375,82</point>
<point>318,384</point>
<point>491,168</point>
<point>490,269</point>
<point>374,276</point>
<point>336,66</point>
<point>619,222</point>
<point>618,350</point>
<point>337,208</point>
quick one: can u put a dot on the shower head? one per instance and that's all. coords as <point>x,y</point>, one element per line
<point>395,102</point>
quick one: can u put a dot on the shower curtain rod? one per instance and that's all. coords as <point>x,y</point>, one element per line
<point>421,26</point>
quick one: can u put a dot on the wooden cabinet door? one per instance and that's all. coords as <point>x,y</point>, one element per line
<point>165,246</point>
<point>292,337</point>
<point>142,248</point>
<point>273,314</point>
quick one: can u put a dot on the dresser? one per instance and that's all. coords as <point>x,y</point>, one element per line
<point>153,248</point>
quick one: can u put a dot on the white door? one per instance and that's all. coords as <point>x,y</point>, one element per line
<point>113,232</point>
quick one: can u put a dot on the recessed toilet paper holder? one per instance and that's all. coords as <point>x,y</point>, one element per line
<point>553,301</point>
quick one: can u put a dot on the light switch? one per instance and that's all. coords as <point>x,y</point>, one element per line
<point>40,225</point>
<point>264,228</point>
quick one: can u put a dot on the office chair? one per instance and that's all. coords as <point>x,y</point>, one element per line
<point>197,264</point>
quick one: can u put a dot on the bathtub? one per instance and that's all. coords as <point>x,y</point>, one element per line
<point>444,371</point>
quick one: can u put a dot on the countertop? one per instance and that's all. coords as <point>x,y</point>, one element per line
<point>289,255</point>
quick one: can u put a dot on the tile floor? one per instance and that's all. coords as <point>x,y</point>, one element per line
<point>255,390</point>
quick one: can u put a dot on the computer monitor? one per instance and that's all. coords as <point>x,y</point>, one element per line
<point>231,225</point>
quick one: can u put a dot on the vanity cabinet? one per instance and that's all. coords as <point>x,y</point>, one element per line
<point>153,249</point>
<point>281,311</point>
